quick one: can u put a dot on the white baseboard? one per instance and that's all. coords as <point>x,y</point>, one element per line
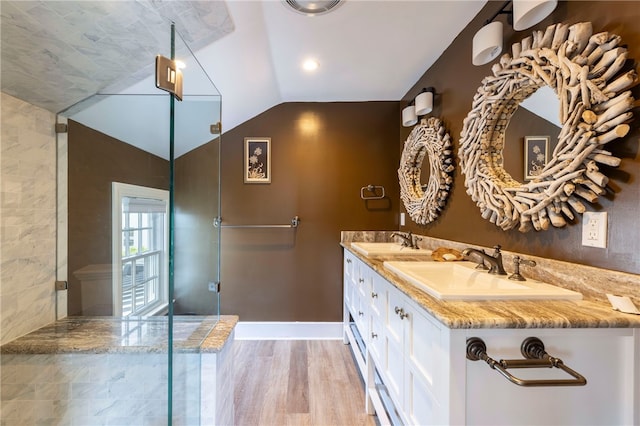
<point>273,330</point>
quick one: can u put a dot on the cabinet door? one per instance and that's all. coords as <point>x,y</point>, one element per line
<point>393,376</point>
<point>422,343</point>
<point>419,404</point>
<point>378,297</point>
<point>363,289</point>
<point>395,320</point>
<point>361,316</point>
<point>376,339</point>
<point>349,265</point>
<point>396,315</point>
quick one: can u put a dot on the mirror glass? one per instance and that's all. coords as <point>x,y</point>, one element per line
<point>425,169</point>
<point>536,116</point>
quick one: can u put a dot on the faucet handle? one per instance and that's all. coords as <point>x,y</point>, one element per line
<point>496,248</point>
<point>527,262</point>
<point>517,261</point>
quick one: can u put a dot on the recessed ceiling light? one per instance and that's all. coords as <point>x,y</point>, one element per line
<point>180,65</point>
<point>310,65</point>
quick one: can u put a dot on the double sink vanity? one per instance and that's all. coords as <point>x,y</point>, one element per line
<point>459,280</point>
<point>446,343</point>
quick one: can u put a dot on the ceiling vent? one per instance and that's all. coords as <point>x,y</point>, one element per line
<point>312,8</point>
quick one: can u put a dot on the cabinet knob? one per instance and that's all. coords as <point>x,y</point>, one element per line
<point>401,313</point>
<point>348,260</point>
<point>373,335</point>
<point>374,295</point>
<point>361,280</point>
<point>360,313</point>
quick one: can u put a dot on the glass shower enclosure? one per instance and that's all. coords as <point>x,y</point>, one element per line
<point>139,190</point>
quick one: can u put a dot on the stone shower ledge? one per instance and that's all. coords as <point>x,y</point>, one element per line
<point>95,335</point>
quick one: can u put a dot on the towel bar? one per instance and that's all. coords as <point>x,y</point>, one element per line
<point>372,189</point>
<point>217,222</point>
<point>532,349</point>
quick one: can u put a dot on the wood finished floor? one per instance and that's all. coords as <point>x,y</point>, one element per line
<point>297,382</point>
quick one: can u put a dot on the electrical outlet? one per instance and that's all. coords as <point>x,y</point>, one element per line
<point>594,229</point>
<point>401,219</point>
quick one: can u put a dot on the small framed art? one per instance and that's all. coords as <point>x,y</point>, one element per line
<point>257,160</point>
<point>536,155</point>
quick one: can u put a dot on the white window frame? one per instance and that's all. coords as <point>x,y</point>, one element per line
<point>118,192</point>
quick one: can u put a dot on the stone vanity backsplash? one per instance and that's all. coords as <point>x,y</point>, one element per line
<point>593,283</point>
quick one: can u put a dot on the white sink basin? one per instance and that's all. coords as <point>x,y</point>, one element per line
<point>387,249</point>
<point>461,281</point>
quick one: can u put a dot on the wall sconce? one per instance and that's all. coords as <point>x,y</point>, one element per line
<point>527,13</point>
<point>487,42</point>
<point>424,101</point>
<point>421,105</point>
<point>409,117</point>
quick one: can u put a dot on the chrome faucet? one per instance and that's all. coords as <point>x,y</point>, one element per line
<point>494,261</point>
<point>408,240</point>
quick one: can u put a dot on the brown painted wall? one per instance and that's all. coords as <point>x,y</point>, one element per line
<point>196,240</point>
<point>96,160</point>
<point>456,81</point>
<point>322,154</point>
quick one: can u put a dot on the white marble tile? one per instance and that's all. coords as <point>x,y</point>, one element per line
<point>28,217</point>
<point>17,391</point>
<point>102,36</point>
<point>53,391</point>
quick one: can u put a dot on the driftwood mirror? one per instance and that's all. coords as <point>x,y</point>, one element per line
<point>427,139</point>
<point>587,73</point>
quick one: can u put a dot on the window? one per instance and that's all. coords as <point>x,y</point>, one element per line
<point>140,250</point>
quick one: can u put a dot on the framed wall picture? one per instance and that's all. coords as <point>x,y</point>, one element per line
<point>536,155</point>
<point>257,160</point>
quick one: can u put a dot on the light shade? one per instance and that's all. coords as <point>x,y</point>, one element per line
<point>409,117</point>
<point>527,13</point>
<point>487,43</point>
<point>424,102</point>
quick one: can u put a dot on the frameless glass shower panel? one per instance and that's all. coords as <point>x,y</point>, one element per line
<point>196,261</point>
<point>197,186</point>
<point>118,186</point>
<point>136,162</point>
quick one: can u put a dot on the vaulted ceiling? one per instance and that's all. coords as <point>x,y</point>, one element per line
<point>56,53</point>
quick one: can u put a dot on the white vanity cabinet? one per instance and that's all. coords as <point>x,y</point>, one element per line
<point>397,346</point>
<point>357,277</point>
<point>412,339</point>
<point>423,366</point>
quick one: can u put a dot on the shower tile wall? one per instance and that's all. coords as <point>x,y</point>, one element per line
<point>27,218</point>
<point>106,389</point>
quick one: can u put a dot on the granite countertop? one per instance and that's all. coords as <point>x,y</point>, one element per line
<point>506,313</point>
<point>94,335</point>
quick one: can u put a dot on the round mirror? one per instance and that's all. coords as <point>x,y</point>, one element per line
<point>585,70</point>
<point>428,143</point>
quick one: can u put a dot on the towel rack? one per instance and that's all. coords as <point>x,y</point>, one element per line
<point>532,349</point>
<point>372,190</point>
<point>217,222</point>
